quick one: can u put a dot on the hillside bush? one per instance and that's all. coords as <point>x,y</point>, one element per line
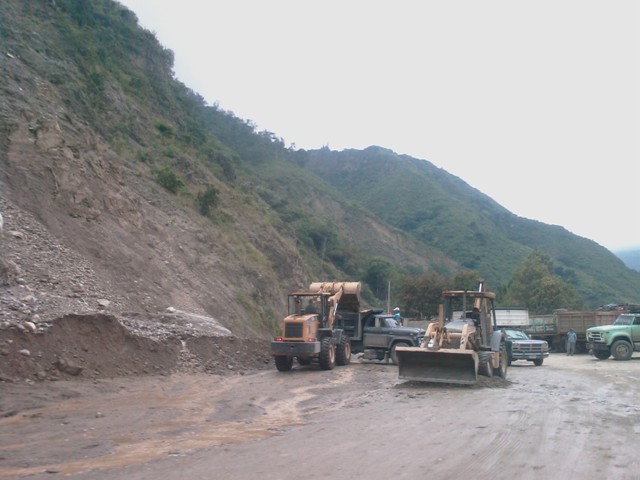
<point>169,180</point>
<point>207,200</point>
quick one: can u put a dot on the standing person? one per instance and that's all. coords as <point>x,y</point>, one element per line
<point>396,316</point>
<point>572,338</point>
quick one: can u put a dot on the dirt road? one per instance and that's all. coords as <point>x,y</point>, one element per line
<point>574,417</point>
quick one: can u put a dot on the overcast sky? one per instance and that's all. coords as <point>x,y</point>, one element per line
<point>536,104</point>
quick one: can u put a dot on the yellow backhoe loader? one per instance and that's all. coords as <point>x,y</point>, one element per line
<point>463,343</point>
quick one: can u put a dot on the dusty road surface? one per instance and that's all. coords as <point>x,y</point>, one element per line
<point>574,417</point>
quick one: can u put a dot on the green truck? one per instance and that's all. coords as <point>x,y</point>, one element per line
<point>620,339</point>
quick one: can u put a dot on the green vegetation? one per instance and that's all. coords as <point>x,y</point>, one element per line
<point>169,180</point>
<point>535,286</point>
<point>207,200</point>
<point>445,213</point>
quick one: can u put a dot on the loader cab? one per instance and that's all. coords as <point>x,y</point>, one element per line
<point>303,303</point>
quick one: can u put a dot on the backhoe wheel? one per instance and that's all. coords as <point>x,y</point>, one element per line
<point>284,364</point>
<point>504,362</point>
<point>485,367</point>
<point>343,353</point>
<point>621,350</point>
<point>327,354</point>
<point>393,354</point>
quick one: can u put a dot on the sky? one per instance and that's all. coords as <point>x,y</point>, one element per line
<point>536,104</point>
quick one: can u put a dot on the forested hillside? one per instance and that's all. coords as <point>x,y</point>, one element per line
<point>178,203</point>
<point>446,213</point>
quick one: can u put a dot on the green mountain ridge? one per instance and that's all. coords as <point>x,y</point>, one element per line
<point>179,203</point>
<point>443,211</point>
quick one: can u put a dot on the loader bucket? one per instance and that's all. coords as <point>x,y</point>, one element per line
<point>440,366</point>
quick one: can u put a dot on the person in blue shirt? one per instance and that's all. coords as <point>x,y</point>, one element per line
<point>572,338</point>
<point>396,316</point>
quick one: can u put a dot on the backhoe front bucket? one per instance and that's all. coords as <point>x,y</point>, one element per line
<point>440,366</point>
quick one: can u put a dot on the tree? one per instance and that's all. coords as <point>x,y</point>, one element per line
<point>378,274</point>
<point>466,280</point>
<point>535,286</point>
<point>422,294</point>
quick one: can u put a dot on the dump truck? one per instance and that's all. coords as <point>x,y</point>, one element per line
<point>376,334</point>
<point>309,331</point>
<point>458,347</point>
<point>508,317</point>
<point>554,327</point>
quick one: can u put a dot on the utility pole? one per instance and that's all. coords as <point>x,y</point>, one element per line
<point>389,297</point>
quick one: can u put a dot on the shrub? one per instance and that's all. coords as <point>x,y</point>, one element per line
<point>169,180</point>
<point>207,200</point>
<point>165,129</point>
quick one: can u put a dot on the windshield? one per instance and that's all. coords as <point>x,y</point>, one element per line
<point>517,335</point>
<point>624,320</point>
<point>304,304</point>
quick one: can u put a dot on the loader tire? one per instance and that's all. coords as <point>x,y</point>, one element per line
<point>327,354</point>
<point>343,352</point>
<point>485,366</point>
<point>283,363</point>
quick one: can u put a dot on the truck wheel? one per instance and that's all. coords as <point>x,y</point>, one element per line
<point>327,354</point>
<point>393,354</point>
<point>284,364</point>
<point>538,362</point>
<point>343,353</point>
<point>601,354</point>
<point>485,367</point>
<point>621,350</point>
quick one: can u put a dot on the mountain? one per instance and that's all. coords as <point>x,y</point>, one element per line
<point>446,213</point>
<point>630,257</point>
<point>120,186</point>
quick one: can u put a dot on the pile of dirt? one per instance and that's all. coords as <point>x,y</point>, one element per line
<point>100,346</point>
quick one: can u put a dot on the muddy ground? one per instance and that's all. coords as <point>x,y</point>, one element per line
<point>574,417</point>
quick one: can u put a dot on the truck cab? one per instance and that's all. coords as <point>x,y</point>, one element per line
<point>377,334</point>
<point>620,339</point>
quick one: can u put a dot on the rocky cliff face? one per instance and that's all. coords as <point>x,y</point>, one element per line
<point>87,232</point>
